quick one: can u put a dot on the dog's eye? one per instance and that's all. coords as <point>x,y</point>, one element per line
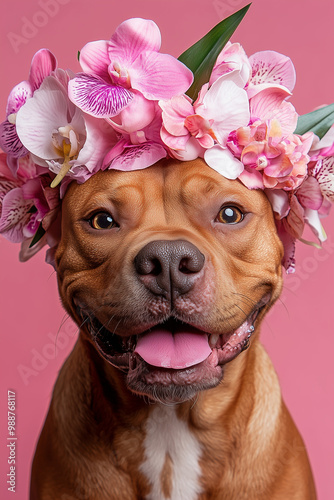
<point>102,220</point>
<point>230,215</point>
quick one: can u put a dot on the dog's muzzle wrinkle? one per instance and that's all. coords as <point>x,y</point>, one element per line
<point>169,268</point>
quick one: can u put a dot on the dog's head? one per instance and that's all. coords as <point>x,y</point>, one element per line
<point>168,271</point>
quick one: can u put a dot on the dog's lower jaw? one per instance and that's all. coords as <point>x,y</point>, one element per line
<point>167,384</point>
<point>230,413</point>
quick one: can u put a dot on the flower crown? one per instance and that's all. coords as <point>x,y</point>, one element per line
<point>132,106</point>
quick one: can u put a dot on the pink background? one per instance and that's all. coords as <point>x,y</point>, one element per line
<point>298,333</point>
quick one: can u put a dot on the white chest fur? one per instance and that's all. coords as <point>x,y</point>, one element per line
<point>169,439</point>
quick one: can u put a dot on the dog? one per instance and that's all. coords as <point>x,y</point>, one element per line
<point>168,393</point>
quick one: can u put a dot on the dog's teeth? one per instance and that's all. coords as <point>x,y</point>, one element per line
<point>251,329</point>
<point>213,339</point>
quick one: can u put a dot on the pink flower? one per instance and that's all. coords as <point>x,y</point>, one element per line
<point>283,163</point>
<point>137,150</point>
<point>232,58</point>
<point>292,210</point>
<point>322,163</point>
<point>271,104</point>
<point>42,65</point>
<point>127,68</point>
<point>323,148</point>
<point>270,69</point>
<point>59,136</point>
<point>24,201</point>
<point>323,171</point>
<point>218,110</point>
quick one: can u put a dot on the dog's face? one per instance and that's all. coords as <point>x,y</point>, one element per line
<point>169,271</point>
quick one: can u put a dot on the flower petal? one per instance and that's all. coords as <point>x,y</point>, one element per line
<point>279,201</point>
<point>294,222</point>
<point>100,138</point>
<point>223,162</point>
<point>289,245</point>
<point>174,113</point>
<point>174,141</point>
<point>251,179</point>
<point>15,215</point>
<point>9,140</point>
<point>137,115</point>
<point>38,119</point>
<point>18,96</point>
<point>227,105</point>
<point>5,169</point>
<point>325,146</point>
<point>313,220</point>
<point>190,151</point>
<point>94,59</point>
<point>159,76</point>
<point>42,65</point>
<point>131,38</point>
<point>138,157</point>
<point>232,57</point>
<point>96,97</point>
<point>26,252</point>
<point>270,104</point>
<point>269,66</point>
<point>6,185</point>
<point>325,177</point>
<point>309,194</point>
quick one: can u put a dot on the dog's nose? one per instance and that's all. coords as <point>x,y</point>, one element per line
<point>169,267</point>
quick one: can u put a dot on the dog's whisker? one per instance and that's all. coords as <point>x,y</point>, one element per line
<point>285,306</point>
<point>245,297</point>
<point>83,323</point>
<point>195,400</point>
<point>65,318</point>
<point>50,276</point>
<point>119,322</point>
<point>106,325</point>
<point>241,309</point>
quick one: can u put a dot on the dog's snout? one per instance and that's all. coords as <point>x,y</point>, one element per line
<point>169,267</point>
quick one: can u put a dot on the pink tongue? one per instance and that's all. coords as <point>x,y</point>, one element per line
<point>160,347</point>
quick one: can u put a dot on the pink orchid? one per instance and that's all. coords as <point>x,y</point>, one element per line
<point>218,110</point>
<point>270,104</point>
<point>42,65</point>
<point>323,171</point>
<point>321,165</point>
<point>137,150</point>
<point>270,69</point>
<point>291,212</point>
<point>294,209</point>
<point>24,201</point>
<point>127,68</point>
<point>58,135</point>
<point>232,58</point>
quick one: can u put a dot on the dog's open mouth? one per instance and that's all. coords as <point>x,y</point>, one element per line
<point>173,352</point>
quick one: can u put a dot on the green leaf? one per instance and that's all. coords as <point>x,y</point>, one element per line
<point>78,55</point>
<point>200,58</point>
<point>38,235</point>
<point>318,121</point>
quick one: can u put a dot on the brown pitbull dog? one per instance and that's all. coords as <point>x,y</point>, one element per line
<point>169,271</point>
